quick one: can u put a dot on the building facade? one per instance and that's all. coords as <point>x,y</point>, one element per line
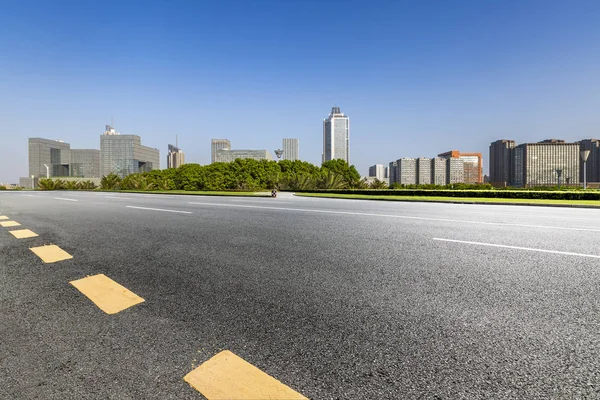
<point>392,173</point>
<point>216,145</point>
<point>291,149</point>
<point>175,157</point>
<point>336,136</point>
<point>536,164</point>
<point>423,171</point>
<point>472,164</point>
<point>438,171</point>
<point>406,171</point>
<point>455,171</point>
<point>62,161</point>
<point>224,155</point>
<point>501,162</point>
<point>124,154</point>
<point>379,171</point>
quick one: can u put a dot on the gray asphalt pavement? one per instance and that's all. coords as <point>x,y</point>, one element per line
<point>337,299</point>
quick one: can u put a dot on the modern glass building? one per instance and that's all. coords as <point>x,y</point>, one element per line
<point>536,164</point>
<point>592,164</point>
<point>336,136</point>
<point>501,162</point>
<point>124,154</point>
<point>62,161</point>
<point>290,149</point>
<point>216,145</point>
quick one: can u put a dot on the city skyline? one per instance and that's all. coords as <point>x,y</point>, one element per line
<point>416,79</point>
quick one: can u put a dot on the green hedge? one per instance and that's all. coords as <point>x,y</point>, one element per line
<point>503,194</point>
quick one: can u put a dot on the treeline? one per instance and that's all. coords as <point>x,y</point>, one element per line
<point>59,184</point>
<point>244,175</point>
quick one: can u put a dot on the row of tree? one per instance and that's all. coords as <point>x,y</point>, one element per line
<point>59,184</point>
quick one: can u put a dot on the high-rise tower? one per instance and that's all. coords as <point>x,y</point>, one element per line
<point>336,136</point>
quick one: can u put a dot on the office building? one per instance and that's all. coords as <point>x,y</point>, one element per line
<point>536,164</point>
<point>438,171</point>
<point>175,157</point>
<point>406,170</point>
<point>291,149</point>
<point>423,171</point>
<point>393,173</point>
<point>472,163</point>
<point>216,145</point>
<point>592,165</point>
<point>455,170</point>
<point>379,172</point>
<point>501,162</point>
<point>226,155</point>
<point>125,154</point>
<point>61,161</point>
<point>336,136</point>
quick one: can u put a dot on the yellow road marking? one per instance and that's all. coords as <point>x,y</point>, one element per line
<point>23,233</point>
<point>51,253</point>
<point>107,294</point>
<point>3,217</point>
<point>8,224</point>
<point>227,376</point>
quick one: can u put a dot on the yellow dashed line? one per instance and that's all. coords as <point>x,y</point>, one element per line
<point>227,376</point>
<point>3,217</point>
<point>8,224</point>
<point>107,294</point>
<point>51,253</point>
<point>23,233</point>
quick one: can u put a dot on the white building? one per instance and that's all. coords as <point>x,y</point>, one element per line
<point>406,171</point>
<point>336,136</point>
<point>379,171</point>
<point>291,149</point>
<point>218,144</point>
<point>175,157</point>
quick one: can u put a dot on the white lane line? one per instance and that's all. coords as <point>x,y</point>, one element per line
<point>64,198</point>
<point>117,197</point>
<point>518,248</point>
<point>160,209</point>
<point>260,201</point>
<point>402,217</point>
<point>29,195</point>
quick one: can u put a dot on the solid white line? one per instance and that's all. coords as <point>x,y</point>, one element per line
<point>403,217</point>
<point>160,209</point>
<point>63,198</point>
<point>117,197</point>
<point>518,248</point>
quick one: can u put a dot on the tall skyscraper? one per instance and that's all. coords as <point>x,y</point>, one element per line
<point>501,162</point>
<point>218,144</point>
<point>124,154</point>
<point>336,136</point>
<point>291,149</point>
<point>175,157</point>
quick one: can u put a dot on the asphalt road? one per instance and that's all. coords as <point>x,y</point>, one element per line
<point>335,298</point>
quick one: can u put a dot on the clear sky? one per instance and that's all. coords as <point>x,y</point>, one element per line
<point>415,77</point>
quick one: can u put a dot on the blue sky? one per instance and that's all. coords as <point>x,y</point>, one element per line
<point>415,77</point>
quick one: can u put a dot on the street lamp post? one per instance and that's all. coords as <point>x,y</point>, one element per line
<point>33,182</point>
<point>584,156</point>
<point>559,173</point>
<point>47,171</point>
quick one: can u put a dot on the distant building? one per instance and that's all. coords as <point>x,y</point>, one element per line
<point>423,171</point>
<point>438,171</point>
<point>379,171</point>
<point>224,155</point>
<point>175,157</point>
<point>393,173</point>
<point>455,171</point>
<point>406,171</point>
<point>501,162</point>
<point>472,164</point>
<point>125,155</point>
<point>216,145</point>
<point>592,164</point>
<point>62,161</point>
<point>536,164</point>
<point>336,136</point>
<point>291,149</point>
